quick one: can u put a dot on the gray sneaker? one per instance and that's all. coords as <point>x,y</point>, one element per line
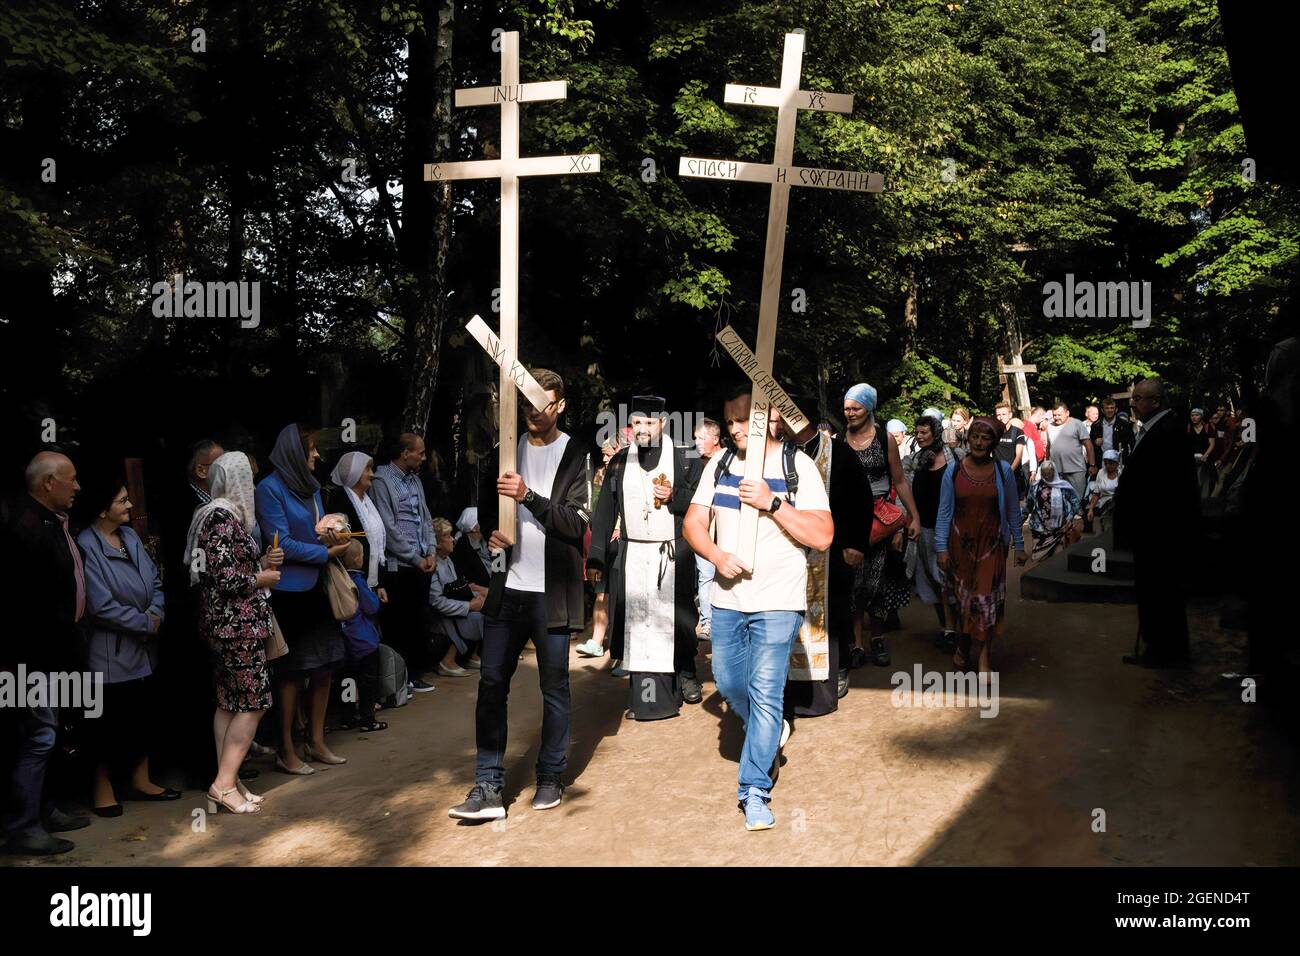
<point>548,794</point>
<point>482,803</point>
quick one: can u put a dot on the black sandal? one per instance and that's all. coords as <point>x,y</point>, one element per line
<point>372,726</point>
<point>963,648</point>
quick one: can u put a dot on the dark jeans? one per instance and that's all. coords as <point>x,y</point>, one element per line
<point>523,618</point>
<point>37,729</point>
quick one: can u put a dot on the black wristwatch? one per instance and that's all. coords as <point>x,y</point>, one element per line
<point>529,498</point>
<point>776,503</point>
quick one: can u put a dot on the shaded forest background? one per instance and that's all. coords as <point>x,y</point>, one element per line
<point>285,142</point>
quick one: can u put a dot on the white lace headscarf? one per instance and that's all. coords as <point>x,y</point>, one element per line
<point>230,482</point>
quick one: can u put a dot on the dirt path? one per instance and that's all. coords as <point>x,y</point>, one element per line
<point>1185,772</point>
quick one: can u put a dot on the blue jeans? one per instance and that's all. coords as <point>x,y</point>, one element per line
<point>37,729</point>
<point>523,618</point>
<point>751,658</point>
<point>704,588</point>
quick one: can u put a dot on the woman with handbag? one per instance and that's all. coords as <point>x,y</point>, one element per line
<point>288,509</point>
<point>880,578</point>
<point>979,517</point>
<point>456,605</point>
<point>235,618</point>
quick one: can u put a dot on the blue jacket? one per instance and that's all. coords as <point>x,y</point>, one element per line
<point>119,592</point>
<point>280,511</point>
<point>360,632</point>
<point>1008,508</point>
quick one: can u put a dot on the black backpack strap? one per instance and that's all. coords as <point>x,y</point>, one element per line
<point>788,451</point>
<point>724,464</point>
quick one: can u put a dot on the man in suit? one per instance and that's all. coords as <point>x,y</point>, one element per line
<point>42,565</point>
<point>1157,512</point>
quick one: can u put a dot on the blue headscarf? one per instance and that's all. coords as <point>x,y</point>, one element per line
<point>863,394</point>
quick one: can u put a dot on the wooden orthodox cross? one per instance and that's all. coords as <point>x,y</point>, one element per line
<point>509,168</point>
<point>780,175</point>
<point>1017,368</point>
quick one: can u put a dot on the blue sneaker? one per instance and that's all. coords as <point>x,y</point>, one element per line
<point>757,814</point>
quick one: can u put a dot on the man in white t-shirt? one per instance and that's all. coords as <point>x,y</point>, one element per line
<point>757,612</point>
<point>542,601</point>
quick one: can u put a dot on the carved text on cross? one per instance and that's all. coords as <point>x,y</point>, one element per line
<point>508,95</point>
<point>780,175</point>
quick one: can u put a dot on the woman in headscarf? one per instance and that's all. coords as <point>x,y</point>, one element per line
<point>352,476</point>
<point>234,617</point>
<point>470,554</point>
<point>979,518</point>
<point>1101,489</point>
<point>924,471</point>
<point>1053,505</point>
<point>288,510</point>
<point>880,578</point>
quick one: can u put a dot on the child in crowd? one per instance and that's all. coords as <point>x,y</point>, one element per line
<point>361,639</point>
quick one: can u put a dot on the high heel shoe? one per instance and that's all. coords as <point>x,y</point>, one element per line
<point>247,794</point>
<point>218,800</point>
<point>334,759</point>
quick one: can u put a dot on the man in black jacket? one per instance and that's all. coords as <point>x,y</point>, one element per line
<point>1111,432</point>
<point>1157,514</point>
<point>43,567</point>
<point>543,602</point>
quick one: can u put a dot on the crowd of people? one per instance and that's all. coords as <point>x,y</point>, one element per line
<point>285,587</point>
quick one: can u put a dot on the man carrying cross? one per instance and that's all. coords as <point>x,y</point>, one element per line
<point>758,610</point>
<point>543,602</point>
<point>652,612</point>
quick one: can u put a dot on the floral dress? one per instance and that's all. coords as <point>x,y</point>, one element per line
<point>978,555</point>
<point>234,614</point>
<point>880,582</point>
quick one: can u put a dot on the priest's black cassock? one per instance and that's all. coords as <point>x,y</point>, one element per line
<point>851,510</point>
<point>652,694</point>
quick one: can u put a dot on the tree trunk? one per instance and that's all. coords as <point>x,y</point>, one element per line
<point>426,220</point>
<point>909,315</point>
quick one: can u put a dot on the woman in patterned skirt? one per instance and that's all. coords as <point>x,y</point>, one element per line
<point>235,617</point>
<point>880,584</point>
<point>979,517</point>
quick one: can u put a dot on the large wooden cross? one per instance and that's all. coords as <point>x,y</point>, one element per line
<point>1018,369</point>
<point>780,175</point>
<point>508,169</point>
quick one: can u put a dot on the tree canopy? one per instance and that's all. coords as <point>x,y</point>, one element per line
<point>1019,140</point>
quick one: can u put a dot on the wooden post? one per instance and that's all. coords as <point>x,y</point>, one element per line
<point>780,175</point>
<point>509,168</point>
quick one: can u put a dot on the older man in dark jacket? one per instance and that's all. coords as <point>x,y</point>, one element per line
<point>1157,517</point>
<point>43,567</point>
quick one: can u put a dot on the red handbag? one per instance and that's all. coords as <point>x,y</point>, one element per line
<point>887,520</point>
